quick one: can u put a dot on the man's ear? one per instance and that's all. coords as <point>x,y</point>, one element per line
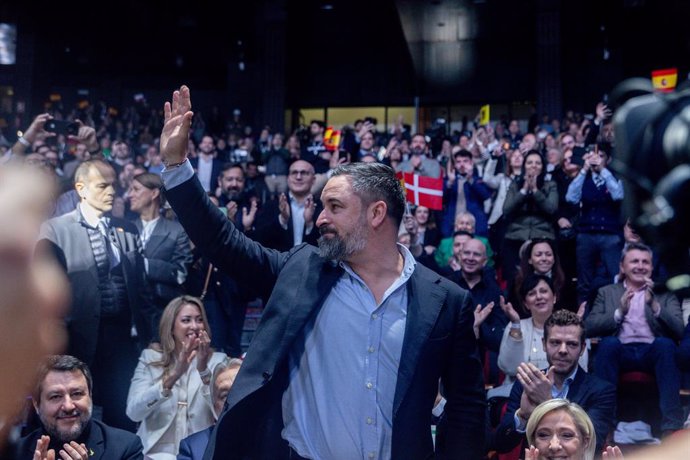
<point>35,404</point>
<point>378,212</point>
<point>79,186</point>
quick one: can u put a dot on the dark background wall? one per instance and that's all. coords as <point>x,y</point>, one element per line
<point>266,56</point>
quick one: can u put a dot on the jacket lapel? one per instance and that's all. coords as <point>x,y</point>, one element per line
<point>96,445</point>
<point>157,236</point>
<point>418,327</point>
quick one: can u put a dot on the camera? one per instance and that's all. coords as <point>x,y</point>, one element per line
<point>652,132</point>
<point>62,127</point>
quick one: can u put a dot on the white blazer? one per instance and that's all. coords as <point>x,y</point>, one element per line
<point>163,420</point>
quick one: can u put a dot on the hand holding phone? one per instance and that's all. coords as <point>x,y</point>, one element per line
<point>68,128</point>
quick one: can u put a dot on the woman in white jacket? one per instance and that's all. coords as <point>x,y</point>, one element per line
<point>169,394</point>
<point>522,338</point>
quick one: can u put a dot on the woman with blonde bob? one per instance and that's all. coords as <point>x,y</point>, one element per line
<point>560,428</point>
<point>170,391</point>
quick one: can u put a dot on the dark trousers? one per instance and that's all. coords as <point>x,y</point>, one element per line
<point>594,248</point>
<point>657,357</point>
<point>112,370</point>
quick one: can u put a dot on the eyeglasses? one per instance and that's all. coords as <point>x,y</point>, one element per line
<point>299,172</point>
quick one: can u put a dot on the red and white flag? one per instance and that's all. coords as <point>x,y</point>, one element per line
<point>423,190</point>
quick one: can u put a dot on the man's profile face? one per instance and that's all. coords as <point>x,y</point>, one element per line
<point>563,348</point>
<point>98,189</point>
<point>232,182</point>
<point>64,405</point>
<point>343,222</point>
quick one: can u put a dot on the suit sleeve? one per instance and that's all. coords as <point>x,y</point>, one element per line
<point>220,241</point>
<point>671,316</point>
<point>506,437</point>
<point>511,353</point>
<point>602,412</point>
<point>185,452</point>
<point>463,384</point>
<point>601,321</point>
<point>145,394</point>
<point>134,451</point>
<point>173,271</point>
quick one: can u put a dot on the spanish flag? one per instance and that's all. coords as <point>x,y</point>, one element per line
<point>331,139</point>
<point>665,80</point>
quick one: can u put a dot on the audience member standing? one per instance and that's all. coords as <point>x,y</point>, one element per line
<point>103,260</point>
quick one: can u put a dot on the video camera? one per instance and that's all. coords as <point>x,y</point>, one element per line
<point>652,131</point>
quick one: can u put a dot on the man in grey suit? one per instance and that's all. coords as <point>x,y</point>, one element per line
<point>355,336</point>
<point>167,251</point>
<point>639,331</point>
<point>102,258</point>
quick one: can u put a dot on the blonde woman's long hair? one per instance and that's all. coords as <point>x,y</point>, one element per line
<point>167,323</point>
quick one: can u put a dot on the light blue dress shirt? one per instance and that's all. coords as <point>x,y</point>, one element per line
<point>339,402</point>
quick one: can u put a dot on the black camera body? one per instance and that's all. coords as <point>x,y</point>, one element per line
<point>62,127</point>
<point>652,132</point>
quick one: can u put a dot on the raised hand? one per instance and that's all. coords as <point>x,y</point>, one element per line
<point>510,312</point>
<point>480,315</point>
<point>42,452</point>
<point>203,350</point>
<point>248,215</point>
<point>612,453</point>
<point>536,384</point>
<point>177,121</point>
<point>309,209</point>
<point>284,207</point>
<point>532,453</point>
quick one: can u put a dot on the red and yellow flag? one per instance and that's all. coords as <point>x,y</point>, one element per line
<point>665,79</point>
<point>331,139</point>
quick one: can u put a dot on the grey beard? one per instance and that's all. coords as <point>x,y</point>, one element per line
<point>338,248</point>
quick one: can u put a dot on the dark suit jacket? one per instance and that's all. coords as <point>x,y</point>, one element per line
<point>215,170</point>
<point>68,239</point>
<point>596,396</point>
<point>193,446</point>
<point>601,322</point>
<point>271,234</point>
<point>103,442</point>
<point>169,255</point>
<point>438,344</point>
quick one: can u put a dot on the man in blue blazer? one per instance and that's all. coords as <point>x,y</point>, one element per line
<point>564,343</point>
<point>355,337</point>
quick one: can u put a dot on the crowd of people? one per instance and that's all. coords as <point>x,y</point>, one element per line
<point>157,237</point>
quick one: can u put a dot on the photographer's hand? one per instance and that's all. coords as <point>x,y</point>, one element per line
<point>87,136</point>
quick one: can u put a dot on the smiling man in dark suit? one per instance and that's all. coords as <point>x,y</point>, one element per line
<point>355,336</point>
<point>62,401</point>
